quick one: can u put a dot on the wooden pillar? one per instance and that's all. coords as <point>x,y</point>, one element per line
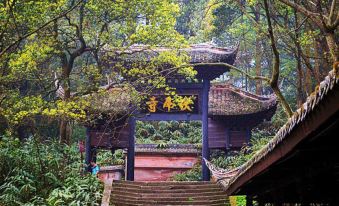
<point>113,151</point>
<point>205,147</point>
<point>248,134</point>
<point>94,154</point>
<point>88,155</point>
<point>131,148</point>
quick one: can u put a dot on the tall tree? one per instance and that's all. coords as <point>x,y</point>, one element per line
<point>71,52</point>
<point>325,16</point>
<point>258,51</point>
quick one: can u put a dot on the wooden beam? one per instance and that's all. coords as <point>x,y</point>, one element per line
<point>197,86</point>
<point>169,117</point>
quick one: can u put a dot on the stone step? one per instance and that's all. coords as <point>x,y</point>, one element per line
<point>174,202</point>
<point>164,187</point>
<point>167,193</point>
<point>155,204</point>
<point>165,182</point>
<point>169,198</point>
<point>150,190</point>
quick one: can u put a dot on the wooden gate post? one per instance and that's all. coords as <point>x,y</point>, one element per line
<point>205,147</point>
<point>131,148</point>
<point>88,150</point>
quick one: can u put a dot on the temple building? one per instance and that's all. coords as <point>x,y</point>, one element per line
<point>233,113</point>
<point>227,114</point>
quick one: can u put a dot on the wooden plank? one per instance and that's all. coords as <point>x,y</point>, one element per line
<point>217,144</point>
<point>217,134</point>
<point>238,138</point>
<point>168,117</point>
<point>212,139</point>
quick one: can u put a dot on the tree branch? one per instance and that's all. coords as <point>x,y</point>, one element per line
<point>262,78</point>
<point>332,13</point>
<point>39,28</point>
<point>313,16</point>
<point>276,64</point>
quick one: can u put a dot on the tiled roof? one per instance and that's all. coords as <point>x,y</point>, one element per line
<point>168,149</point>
<point>110,100</point>
<point>225,99</point>
<point>330,82</point>
<point>207,53</point>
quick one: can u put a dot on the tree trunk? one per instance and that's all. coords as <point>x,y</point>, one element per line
<point>308,76</point>
<point>67,59</point>
<point>258,57</point>
<point>316,61</point>
<point>332,45</point>
<point>298,53</point>
<point>276,65</point>
<point>325,64</point>
<point>258,54</point>
<point>300,96</point>
<point>64,130</point>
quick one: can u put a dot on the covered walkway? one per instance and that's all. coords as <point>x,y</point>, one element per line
<point>300,165</point>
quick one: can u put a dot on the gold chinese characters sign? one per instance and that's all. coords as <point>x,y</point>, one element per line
<point>161,104</point>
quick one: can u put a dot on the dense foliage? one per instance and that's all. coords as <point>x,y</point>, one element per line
<point>232,159</point>
<point>235,159</point>
<point>194,174</point>
<point>106,158</point>
<point>49,173</point>
<point>169,132</point>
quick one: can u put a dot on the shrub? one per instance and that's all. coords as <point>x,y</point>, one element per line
<point>168,132</point>
<point>194,174</point>
<point>44,173</point>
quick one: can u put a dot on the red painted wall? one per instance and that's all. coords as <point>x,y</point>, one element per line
<point>161,167</point>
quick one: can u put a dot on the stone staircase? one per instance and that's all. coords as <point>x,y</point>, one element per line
<point>167,193</point>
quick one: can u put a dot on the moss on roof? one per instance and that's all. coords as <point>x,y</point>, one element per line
<point>116,100</point>
<point>198,53</point>
<point>225,99</point>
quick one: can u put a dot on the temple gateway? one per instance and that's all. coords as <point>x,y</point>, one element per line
<point>228,114</point>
